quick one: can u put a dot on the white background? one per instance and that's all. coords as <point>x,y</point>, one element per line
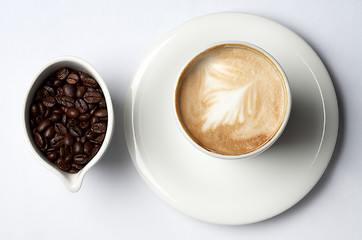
<point>114,202</point>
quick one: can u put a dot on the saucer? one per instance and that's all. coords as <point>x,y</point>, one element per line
<point>231,191</point>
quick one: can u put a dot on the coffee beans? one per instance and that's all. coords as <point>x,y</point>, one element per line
<point>73,113</point>
<point>92,97</point>
<point>69,90</point>
<point>68,118</point>
<point>82,106</point>
<point>49,101</point>
<point>90,82</point>
<point>66,101</point>
<point>62,73</point>
<point>43,125</point>
<point>81,158</point>
<point>73,78</point>
<point>98,128</point>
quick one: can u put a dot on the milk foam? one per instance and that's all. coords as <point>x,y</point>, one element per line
<point>225,101</point>
<point>232,99</point>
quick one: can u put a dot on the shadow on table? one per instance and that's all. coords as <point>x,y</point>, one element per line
<point>116,165</point>
<point>322,183</point>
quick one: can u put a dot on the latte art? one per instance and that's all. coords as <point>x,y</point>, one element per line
<point>231,99</point>
<point>224,101</point>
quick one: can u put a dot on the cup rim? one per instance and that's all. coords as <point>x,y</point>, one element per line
<point>72,181</point>
<point>262,148</point>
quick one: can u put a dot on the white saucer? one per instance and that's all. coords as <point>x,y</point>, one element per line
<point>231,191</point>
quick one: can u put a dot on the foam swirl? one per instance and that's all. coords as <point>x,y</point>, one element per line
<point>225,101</point>
<point>232,99</point>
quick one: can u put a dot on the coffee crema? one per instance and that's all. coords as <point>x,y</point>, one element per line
<point>231,99</point>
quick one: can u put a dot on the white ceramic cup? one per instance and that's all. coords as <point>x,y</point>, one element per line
<point>263,147</point>
<point>72,181</point>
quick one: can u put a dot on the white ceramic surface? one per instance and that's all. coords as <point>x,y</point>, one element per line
<point>241,191</point>
<point>263,147</point>
<point>72,181</point>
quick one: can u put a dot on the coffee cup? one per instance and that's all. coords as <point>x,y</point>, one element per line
<point>232,100</point>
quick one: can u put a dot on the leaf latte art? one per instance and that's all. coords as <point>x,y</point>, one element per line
<point>231,99</point>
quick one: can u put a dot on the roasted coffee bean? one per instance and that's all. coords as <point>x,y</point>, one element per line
<point>84,125</point>
<point>94,151</point>
<point>101,113</point>
<point>34,110</point>
<point>69,157</point>
<point>57,141</point>
<point>92,112</point>
<point>55,117</point>
<point>49,132</point>
<point>67,101</point>
<point>90,82</point>
<point>43,125</point>
<point>73,113</point>
<point>84,117</point>
<point>64,119</point>
<point>62,151</point>
<point>99,127</point>
<point>42,109</point>
<point>90,89</point>
<point>49,101</point>
<point>68,139</point>
<point>76,131</point>
<point>45,145</point>
<point>78,147</point>
<point>77,166</point>
<point>81,158</point>
<point>52,156</point>
<point>42,94</point>
<point>102,103</point>
<point>73,170</point>
<point>81,90</point>
<point>59,160</point>
<point>69,90</point>
<point>64,166</point>
<point>92,97</point>
<point>38,120</point>
<point>99,139</point>
<point>62,73</point>
<point>50,90</point>
<point>60,129</point>
<point>72,78</point>
<point>39,140</point>
<point>51,149</point>
<point>94,120</point>
<point>90,134</point>
<point>99,90</point>
<point>58,83</point>
<point>48,112</point>
<point>83,75</point>
<point>81,105</point>
<point>88,147</point>
<point>60,91</point>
